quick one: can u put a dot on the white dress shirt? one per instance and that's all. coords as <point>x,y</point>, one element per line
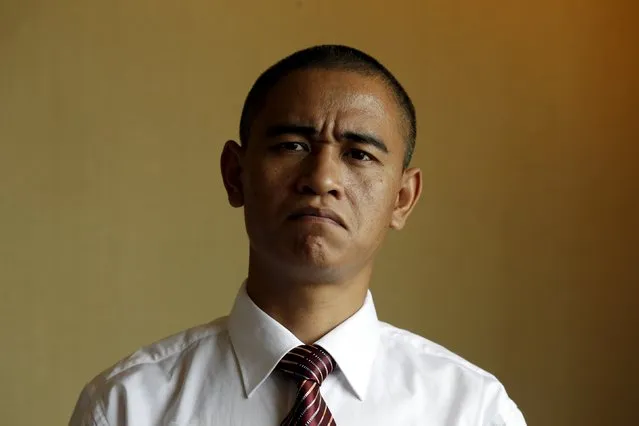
<point>222,373</point>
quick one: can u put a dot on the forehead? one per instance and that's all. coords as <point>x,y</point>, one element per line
<point>342,98</point>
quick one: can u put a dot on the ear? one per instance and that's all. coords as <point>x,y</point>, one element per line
<point>231,166</point>
<point>409,192</point>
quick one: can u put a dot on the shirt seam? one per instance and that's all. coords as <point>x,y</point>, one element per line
<point>461,362</point>
<point>181,349</point>
<point>99,410</point>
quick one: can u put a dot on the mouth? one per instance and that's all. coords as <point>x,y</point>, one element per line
<point>318,214</point>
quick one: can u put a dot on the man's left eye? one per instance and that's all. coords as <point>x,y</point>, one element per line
<point>359,155</point>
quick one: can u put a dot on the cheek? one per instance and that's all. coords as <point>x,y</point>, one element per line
<point>265,183</point>
<point>374,202</point>
<point>263,191</point>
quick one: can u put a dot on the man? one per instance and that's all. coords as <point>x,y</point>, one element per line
<point>322,174</point>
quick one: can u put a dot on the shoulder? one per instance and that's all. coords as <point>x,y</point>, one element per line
<point>431,365</point>
<point>416,349</point>
<point>151,366</point>
<point>168,350</point>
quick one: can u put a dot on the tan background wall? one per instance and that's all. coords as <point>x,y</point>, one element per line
<point>522,257</point>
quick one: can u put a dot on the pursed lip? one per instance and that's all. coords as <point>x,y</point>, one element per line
<point>318,212</point>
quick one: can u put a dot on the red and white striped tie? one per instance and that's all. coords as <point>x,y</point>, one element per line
<point>309,366</point>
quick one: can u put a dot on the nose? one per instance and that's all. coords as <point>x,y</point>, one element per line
<point>321,174</point>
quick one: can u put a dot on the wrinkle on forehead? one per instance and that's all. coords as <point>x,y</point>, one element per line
<point>335,107</point>
<point>356,101</point>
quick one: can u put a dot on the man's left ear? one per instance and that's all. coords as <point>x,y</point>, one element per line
<point>409,192</point>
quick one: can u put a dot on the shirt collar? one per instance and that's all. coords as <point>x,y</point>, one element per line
<point>260,342</point>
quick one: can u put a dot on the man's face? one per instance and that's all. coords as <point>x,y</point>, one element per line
<point>322,174</point>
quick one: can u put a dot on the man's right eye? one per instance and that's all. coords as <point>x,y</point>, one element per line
<point>293,146</point>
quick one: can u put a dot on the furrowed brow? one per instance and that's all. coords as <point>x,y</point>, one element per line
<point>291,129</point>
<point>367,139</point>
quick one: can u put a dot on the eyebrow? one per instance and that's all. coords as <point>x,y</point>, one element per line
<point>312,133</point>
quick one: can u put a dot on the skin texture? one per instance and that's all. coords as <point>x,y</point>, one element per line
<point>331,142</point>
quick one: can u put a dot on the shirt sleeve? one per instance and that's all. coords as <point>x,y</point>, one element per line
<point>88,410</point>
<point>499,409</point>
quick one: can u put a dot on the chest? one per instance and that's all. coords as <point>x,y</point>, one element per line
<point>388,403</point>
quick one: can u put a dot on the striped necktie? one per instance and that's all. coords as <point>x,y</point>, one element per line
<point>309,366</point>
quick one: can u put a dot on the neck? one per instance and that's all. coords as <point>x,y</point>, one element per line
<point>308,308</point>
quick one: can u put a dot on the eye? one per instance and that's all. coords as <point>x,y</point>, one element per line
<point>359,155</point>
<point>292,146</point>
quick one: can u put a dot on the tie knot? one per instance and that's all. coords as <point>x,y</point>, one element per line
<point>307,362</point>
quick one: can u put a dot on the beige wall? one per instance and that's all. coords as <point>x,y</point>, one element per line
<point>522,257</point>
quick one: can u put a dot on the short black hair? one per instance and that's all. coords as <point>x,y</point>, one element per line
<point>328,57</point>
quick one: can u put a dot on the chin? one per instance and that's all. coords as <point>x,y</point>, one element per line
<point>314,260</point>
<point>306,256</point>
<point>315,249</point>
